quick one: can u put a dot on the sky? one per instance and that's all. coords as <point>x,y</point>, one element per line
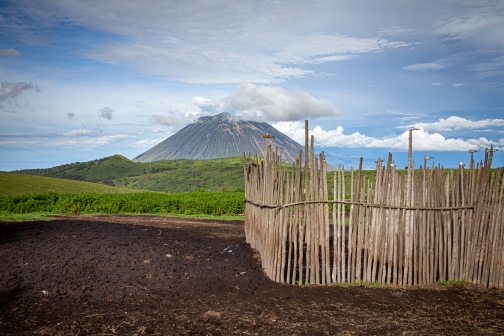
<point>83,80</point>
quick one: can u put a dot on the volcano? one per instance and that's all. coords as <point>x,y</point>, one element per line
<point>221,136</point>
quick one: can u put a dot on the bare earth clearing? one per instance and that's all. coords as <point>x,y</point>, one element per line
<point>139,275</point>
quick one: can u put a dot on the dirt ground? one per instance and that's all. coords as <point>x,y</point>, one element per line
<point>142,275</point>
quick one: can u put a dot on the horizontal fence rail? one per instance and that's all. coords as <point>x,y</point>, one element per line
<point>278,207</point>
<point>410,229</point>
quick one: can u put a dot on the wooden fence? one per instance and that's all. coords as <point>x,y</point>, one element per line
<point>404,229</point>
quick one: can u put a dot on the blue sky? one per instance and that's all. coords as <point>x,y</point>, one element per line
<point>82,80</point>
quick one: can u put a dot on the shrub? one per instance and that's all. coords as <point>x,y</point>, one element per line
<point>190,203</point>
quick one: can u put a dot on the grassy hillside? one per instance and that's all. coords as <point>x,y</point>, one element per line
<point>166,175</point>
<point>188,175</point>
<point>102,170</point>
<point>180,175</point>
<point>17,184</point>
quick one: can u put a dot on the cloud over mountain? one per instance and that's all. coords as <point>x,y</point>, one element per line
<point>261,102</point>
<point>173,119</point>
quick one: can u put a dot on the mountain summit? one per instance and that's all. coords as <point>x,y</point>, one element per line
<point>220,136</point>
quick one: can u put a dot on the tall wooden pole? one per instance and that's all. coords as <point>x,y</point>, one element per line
<point>410,147</point>
<point>408,229</point>
<point>472,151</point>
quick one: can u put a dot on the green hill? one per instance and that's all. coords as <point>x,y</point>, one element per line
<point>165,175</point>
<point>182,175</point>
<point>189,175</point>
<point>17,184</point>
<point>101,171</point>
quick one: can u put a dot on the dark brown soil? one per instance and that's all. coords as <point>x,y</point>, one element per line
<point>139,275</point>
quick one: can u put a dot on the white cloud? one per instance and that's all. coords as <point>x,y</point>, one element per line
<point>323,59</point>
<point>106,113</point>
<point>436,65</point>
<point>9,91</point>
<point>77,139</point>
<point>457,123</point>
<point>172,20</point>
<point>332,138</point>
<point>206,104</point>
<point>174,119</point>
<point>146,143</point>
<point>436,84</point>
<point>494,67</point>
<point>206,42</point>
<point>219,41</point>
<point>224,20</point>
<point>9,52</point>
<point>318,48</point>
<point>409,118</point>
<point>273,103</point>
<point>198,63</point>
<point>458,85</point>
<point>470,23</point>
<point>78,132</point>
<point>207,63</point>
<point>422,139</point>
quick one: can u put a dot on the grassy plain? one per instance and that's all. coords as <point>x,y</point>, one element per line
<point>25,197</point>
<point>18,184</point>
<point>32,216</point>
<point>45,216</point>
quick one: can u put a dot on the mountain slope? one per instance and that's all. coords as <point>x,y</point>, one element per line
<point>164,175</point>
<point>221,136</point>
<point>102,170</point>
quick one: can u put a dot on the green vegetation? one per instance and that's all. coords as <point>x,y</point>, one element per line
<point>38,216</point>
<point>193,203</point>
<point>55,190</point>
<point>166,175</point>
<point>342,284</point>
<point>17,184</point>
<point>180,175</point>
<point>486,330</point>
<point>374,284</point>
<point>198,216</point>
<point>449,283</point>
<point>102,170</point>
<point>44,216</point>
